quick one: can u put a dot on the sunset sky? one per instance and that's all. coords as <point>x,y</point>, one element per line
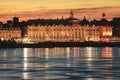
<point>32,9</point>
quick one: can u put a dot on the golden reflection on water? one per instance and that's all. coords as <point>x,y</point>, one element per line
<point>25,63</point>
<point>90,79</point>
<point>68,52</point>
<point>72,56</point>
<point>25,75</point>
<point>106,52</point>
<point>46,53</point>
<point>4,57</point>
<point>89,52</point>
<point>25,54</point>
<point>84,53</point>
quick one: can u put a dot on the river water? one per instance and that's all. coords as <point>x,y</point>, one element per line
<point>59,63</point>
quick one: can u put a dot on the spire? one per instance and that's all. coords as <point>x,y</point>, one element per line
<point>84,17</point>
<point>62,17</point>
<point>103,15</point>
<point>71,14</point>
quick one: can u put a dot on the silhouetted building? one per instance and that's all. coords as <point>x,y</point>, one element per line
<point>84,22</point>
<point>1,24</point>
<point>116,27</point>
<point>103,22</point>
<point>9,23</point>
<point>15,20</point>
<point>72,19</point>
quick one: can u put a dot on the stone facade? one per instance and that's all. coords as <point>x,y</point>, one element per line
<point>61,33</point>
<point>10,33</point>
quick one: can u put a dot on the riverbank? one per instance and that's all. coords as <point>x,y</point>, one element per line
<point>61,44</point>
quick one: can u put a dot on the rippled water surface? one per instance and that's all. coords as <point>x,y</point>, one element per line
<point>69,63</point>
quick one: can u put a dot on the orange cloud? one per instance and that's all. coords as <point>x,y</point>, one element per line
<point>90,13</point>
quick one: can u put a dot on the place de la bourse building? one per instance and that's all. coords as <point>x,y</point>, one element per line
<point>60,30</point>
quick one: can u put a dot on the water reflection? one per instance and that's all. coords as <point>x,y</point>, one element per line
<point>89,52</point>
<point>25,63</point>
<point>87,63</point>
<point>106,52</point>
<point>106,55</point>
<point>46,53</point>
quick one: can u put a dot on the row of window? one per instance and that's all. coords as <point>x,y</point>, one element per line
<point>64,30</point>
<point>7,32</point>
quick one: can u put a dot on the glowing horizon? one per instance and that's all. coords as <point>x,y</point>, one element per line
<point>31,9</point>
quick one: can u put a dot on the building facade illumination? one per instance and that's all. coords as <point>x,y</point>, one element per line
<point>10,33</point>
<point>74,33</point>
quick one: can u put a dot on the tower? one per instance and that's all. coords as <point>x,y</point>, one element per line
<point>15,20</point>
<point>103,15</point>
<point>71,14</point>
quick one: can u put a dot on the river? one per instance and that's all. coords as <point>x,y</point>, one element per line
<point>60,63</point>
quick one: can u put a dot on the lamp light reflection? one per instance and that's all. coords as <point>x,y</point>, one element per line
<point>90,78</point>
<point>25,54</point>
<point>25,75</point>
<point>25,63</point>
<point>68,56</point>
<point>89,52</point>
<point>4,56</point>
<point>68,52</point>
<point>46,53</point>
